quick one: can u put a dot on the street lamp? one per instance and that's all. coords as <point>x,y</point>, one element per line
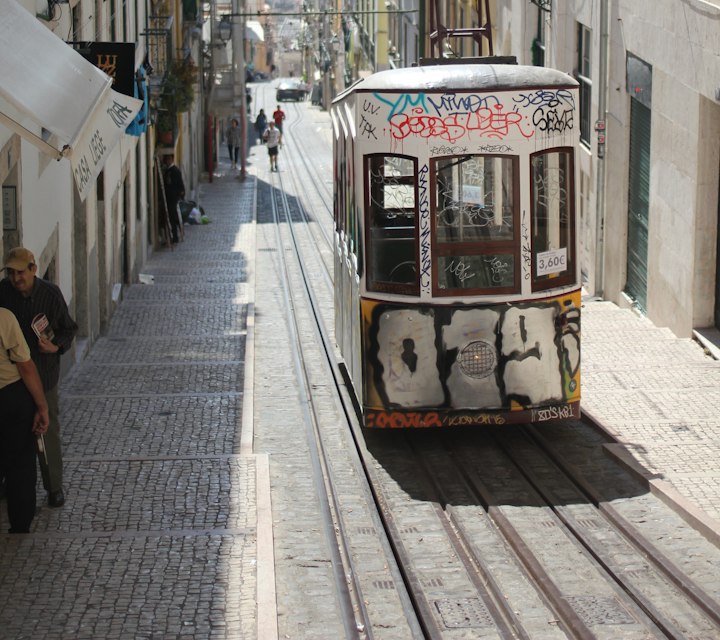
<point>225,29</point>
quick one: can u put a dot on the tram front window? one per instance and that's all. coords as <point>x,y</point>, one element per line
<point>476,241</point>
<point>474,199</point>
<point>392,224</point>
<point>552,221</point>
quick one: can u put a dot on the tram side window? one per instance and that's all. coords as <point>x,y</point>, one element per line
<point>392,224</point>
<point>476,239</point>
<point>553,237</point>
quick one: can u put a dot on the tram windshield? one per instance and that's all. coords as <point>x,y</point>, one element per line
<point>474,199</point>
<point>476,240</point>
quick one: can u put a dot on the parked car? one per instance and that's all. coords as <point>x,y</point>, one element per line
<point>290,90</point>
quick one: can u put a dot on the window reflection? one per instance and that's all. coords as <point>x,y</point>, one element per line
<point>552,233</point>
<point>474,199</point>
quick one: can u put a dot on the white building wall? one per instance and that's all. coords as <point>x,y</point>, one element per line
<point>82,242</point>
<point>681,41</point>
<point>46,199</point>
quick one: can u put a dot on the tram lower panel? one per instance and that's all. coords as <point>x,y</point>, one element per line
<point>471,364</point>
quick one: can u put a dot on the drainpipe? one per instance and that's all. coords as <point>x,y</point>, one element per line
<point>421,31</point>
<point>243,93</point>
<point>600,129</point>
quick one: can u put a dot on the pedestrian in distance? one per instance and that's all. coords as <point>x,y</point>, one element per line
<point>261,124</point>
<point>174,192</point>
<point>24,418</point>
<point>49,331</point>
<point>278,118</point>
<point>273,140</point>
<point>232,136</point>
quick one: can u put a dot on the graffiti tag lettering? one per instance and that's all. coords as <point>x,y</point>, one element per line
<point>399,420</point>
<point>425,262</point>
<point>563,411</point>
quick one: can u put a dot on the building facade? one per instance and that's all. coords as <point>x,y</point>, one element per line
<point>92,237</point>
<point>649,170</point>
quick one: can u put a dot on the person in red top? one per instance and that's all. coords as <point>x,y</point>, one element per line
<point>278,117</point>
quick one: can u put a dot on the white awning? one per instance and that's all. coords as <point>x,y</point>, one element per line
<point>254,31</point>
<point>44,80</point>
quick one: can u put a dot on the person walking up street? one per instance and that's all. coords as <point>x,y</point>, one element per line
<point>25,417</point>
<point>273,139</point>
<point>45,321</point>
<point>260,124</point>
<point>232,136</point>
<point>174,192</point>
<point>278,118</point>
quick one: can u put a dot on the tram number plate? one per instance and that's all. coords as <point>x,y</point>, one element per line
<point>551,261</point>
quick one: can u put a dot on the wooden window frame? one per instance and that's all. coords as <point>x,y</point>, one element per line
<point>382,286</point>
<point>486,247</point>
<point>569,278</point>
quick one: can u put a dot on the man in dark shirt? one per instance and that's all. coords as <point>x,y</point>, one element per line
<point>174,192</point>
<point>30,298</point>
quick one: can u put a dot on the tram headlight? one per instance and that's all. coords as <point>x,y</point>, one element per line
<point>478,359</point>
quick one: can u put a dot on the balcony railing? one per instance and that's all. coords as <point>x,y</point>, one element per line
<point>159,47</point>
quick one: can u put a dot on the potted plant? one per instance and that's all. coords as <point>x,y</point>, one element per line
<point>178,89</point>
<point>165,126</point>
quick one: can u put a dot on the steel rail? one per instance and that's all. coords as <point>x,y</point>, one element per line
<point>350,409</point>
<point>309,419</point>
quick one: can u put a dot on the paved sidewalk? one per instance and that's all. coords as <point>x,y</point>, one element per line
<point>659,396</point>
<point>161,535</point>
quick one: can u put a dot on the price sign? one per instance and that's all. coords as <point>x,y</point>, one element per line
<point>551,261</point>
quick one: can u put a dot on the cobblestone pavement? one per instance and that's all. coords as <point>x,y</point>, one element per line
<point>658,395</point>
<point>158,537</point>
<point>168,527</point>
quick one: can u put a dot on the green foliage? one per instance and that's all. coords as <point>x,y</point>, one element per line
<point>166,121</point>
<point>178,91</point>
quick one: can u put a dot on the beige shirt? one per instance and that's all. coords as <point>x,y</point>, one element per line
<point>13,348</point>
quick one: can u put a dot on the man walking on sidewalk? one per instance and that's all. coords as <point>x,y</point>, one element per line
<point>49,330</point>
<point>273,139</point>
<point>25,416</point>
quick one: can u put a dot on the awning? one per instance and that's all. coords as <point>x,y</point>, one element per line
<point>44,80</point>
<point>254,31</point>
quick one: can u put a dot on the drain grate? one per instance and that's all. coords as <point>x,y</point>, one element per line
<point>600,610</point>
<point>383,584</point>
<point>468,613</point>
<point>368,531</point>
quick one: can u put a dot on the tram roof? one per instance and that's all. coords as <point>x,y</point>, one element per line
<point>461,77</point>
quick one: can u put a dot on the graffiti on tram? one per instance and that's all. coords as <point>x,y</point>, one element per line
<point>451,117</point>
<point>457,358</point>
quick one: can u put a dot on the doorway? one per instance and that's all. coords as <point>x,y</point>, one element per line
<point>638,204</point>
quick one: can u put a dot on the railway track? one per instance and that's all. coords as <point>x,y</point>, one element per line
<point>515,532</point>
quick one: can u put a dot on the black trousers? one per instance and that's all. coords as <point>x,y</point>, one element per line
<point>17,455</point>
<point>173,215</point>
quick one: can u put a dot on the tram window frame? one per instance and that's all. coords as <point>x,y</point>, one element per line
<point>492,250</point>
<point>378,234</point>
<point>345,206</point>
<point>566,276</point>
